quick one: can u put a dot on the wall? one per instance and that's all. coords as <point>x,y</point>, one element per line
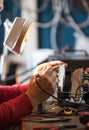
<point>64,33</point>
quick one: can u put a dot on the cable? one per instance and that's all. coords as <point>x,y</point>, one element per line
<point>72,104</point>
<point>14,76</point>
<point>38,76</point>
<point>22,73</point>
<point>28,77</point>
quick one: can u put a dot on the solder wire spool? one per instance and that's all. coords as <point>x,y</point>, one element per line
<point>68,111</point>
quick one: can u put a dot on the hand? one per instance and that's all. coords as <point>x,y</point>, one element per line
<point>53,64</point>
<point>48,81</point>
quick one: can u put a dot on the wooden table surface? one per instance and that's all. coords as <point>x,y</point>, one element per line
<point>28,124</point>
<point>35,120</point>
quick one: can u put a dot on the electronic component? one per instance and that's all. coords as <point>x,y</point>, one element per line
<point>85,85</point>
<point>64,85</point>
<point>73,85</point>
<point>61,76</point>
<point>68,111</point>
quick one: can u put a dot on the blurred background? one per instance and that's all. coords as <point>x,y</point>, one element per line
<point>61,32</point>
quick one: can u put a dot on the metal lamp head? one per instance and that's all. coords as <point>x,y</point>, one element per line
<point>18,35</point>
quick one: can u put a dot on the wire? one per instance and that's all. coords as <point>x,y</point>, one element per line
<point>72,104</point>
<point>22,73</point>
<point>37,77</point>
<point>14,76</point>
<point>28,77</point>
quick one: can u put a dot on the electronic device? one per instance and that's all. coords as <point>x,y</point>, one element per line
<point>74,58</point>
<point>79,92</point>
<point>64,85</point>
<point>61,76</point>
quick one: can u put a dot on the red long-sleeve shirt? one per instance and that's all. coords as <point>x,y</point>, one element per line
<point>14,104</point>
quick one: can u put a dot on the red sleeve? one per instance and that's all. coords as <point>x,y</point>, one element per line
<point>13,110</point>
<point>10,92</point>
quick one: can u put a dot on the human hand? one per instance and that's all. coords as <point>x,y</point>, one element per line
<point>54,64</point>
<point>48,81</point>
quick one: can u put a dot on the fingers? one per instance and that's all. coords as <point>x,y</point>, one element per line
<point>49,80</point>
<point>56,67</point>
<point>53,64</point>
<point>51,73</point>
<point>56,62</point>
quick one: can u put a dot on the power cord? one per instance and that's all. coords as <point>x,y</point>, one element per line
<point>11,77</point>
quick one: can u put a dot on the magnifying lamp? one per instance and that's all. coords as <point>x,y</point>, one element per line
<point>18,35</point>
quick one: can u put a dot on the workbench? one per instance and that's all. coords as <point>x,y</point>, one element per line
<point>72,124</point>
<point>34,120</point>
